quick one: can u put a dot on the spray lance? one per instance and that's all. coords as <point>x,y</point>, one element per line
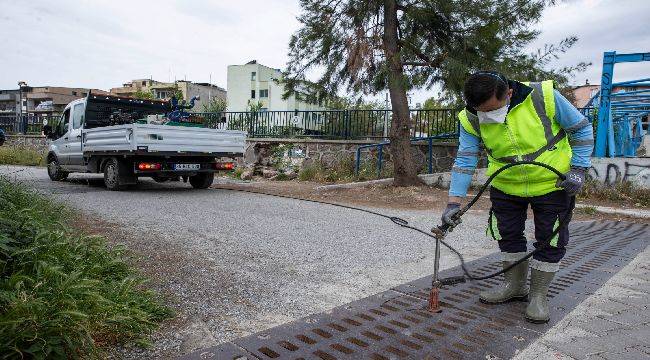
<point>440,232</point>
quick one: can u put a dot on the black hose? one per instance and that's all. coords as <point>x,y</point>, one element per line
<point>562,223</point>
<point>445,227</point>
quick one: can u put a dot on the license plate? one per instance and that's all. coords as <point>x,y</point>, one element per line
<point>187,166</point>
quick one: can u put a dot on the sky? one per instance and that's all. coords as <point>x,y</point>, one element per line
<point>102,44</point>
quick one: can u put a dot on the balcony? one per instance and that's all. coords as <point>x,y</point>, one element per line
<point>8,97</point>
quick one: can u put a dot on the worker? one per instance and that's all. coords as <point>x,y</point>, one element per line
<point>522,121</point>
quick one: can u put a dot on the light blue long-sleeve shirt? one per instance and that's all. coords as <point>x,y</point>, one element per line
<point>570,119</point>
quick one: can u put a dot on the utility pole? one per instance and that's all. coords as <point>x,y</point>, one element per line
<point>21,84</point>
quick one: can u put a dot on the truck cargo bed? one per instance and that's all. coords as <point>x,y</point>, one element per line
<point>162,139</point>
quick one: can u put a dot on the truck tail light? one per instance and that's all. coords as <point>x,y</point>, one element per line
<point>149,166</point>
<point>224,165</point>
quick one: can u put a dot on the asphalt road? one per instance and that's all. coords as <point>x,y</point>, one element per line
<point>233,263</point>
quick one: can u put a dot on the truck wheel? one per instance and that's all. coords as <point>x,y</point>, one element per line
<point>201,180</point>
<point>112,175</point>
<point>54,170</point>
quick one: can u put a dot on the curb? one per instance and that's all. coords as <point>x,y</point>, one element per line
<point>441,179</point>
<point>637,213</point>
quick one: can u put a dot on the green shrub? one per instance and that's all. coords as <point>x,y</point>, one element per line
<point>20,155</point>
<point>281,177</point>
<point>344,170</point>
<point>236,173</point>
<point>310,172</point>
<point>64,294</point>
<point>278,159</point>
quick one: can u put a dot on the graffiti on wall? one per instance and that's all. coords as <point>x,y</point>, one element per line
<point>611,171</point>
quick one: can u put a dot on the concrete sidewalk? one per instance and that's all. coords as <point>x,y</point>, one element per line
<point>614,323</point>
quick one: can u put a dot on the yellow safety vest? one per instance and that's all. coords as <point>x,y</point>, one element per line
<point>530,132</point>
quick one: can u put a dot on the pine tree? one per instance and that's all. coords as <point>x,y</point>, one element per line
<point>367,46</point>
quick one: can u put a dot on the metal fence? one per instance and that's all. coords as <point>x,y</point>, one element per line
<point>25,124</point>
<point>331,124</point>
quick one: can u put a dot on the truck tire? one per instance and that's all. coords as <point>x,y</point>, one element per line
<point>113,175</point>
<point>54,170</point>
<point>201,180</point>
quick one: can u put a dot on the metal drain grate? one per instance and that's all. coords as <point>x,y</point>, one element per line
<point>393,324</point>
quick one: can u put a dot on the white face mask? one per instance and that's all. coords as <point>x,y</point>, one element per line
<point>497,116</point>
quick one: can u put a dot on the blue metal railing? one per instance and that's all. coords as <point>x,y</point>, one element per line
<point>380,151</point>
<point>330,124</point>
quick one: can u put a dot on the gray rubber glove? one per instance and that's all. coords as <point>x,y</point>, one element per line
<point>448,215</point>
<point>574,181</point>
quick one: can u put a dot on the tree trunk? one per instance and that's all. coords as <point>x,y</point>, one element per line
<point>400,134</point>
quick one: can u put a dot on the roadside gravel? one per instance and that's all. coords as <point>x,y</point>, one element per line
<point>233,263</point>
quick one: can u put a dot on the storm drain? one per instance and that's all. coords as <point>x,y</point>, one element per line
<point>394,324</point>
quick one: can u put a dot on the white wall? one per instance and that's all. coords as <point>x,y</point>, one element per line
<point>239,88</point>
<point>612,170</point>
<point>204,92</point>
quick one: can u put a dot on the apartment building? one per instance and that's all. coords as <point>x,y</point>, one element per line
<point>40,100</point>
<point>255,82</point>
<point>165,90</point>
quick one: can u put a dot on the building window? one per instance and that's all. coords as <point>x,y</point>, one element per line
<point>74,93</point>
<point>252,94</point>
<point>264,93</point>
<point>144,83</point>
<point>264,109</point>
<point>253,76</point>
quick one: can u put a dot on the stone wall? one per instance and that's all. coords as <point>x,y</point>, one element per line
<point>331,153</point>
<point>35,141</point>
<point>304,152</point>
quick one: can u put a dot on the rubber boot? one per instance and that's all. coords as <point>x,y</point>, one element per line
<point>514,287</point>
<point>537,310</point>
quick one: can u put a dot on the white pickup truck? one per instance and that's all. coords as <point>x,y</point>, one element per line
<point>93,137</point>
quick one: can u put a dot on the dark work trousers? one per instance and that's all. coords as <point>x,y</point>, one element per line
<point>510,213</point>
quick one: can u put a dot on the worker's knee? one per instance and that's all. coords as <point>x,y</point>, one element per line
<point>550,254</point>
<point>513,245</point>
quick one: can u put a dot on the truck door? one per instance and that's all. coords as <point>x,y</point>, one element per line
<point>61,143</point>
<point>75,155</point>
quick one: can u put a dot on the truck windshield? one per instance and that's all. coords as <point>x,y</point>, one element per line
<point>78,115</point>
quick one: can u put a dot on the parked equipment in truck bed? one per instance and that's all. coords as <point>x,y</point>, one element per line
<point>129,138</point>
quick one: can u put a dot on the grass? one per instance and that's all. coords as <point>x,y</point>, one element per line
<point>588,210</point>
<point>343,171</point>
<point>621,192</point>
<point>64,294</point>
<point>236,173</point>
<point>20,155</point>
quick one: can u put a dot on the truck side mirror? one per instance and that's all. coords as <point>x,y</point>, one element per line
<point>47,131</point>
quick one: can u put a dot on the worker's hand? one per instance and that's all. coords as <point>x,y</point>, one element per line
<point>574,181</point>
<point>448,215</point>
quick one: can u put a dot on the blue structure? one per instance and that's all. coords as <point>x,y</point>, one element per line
<point>380,151</point>
<point>177,113</point>
<point>619,129</point>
